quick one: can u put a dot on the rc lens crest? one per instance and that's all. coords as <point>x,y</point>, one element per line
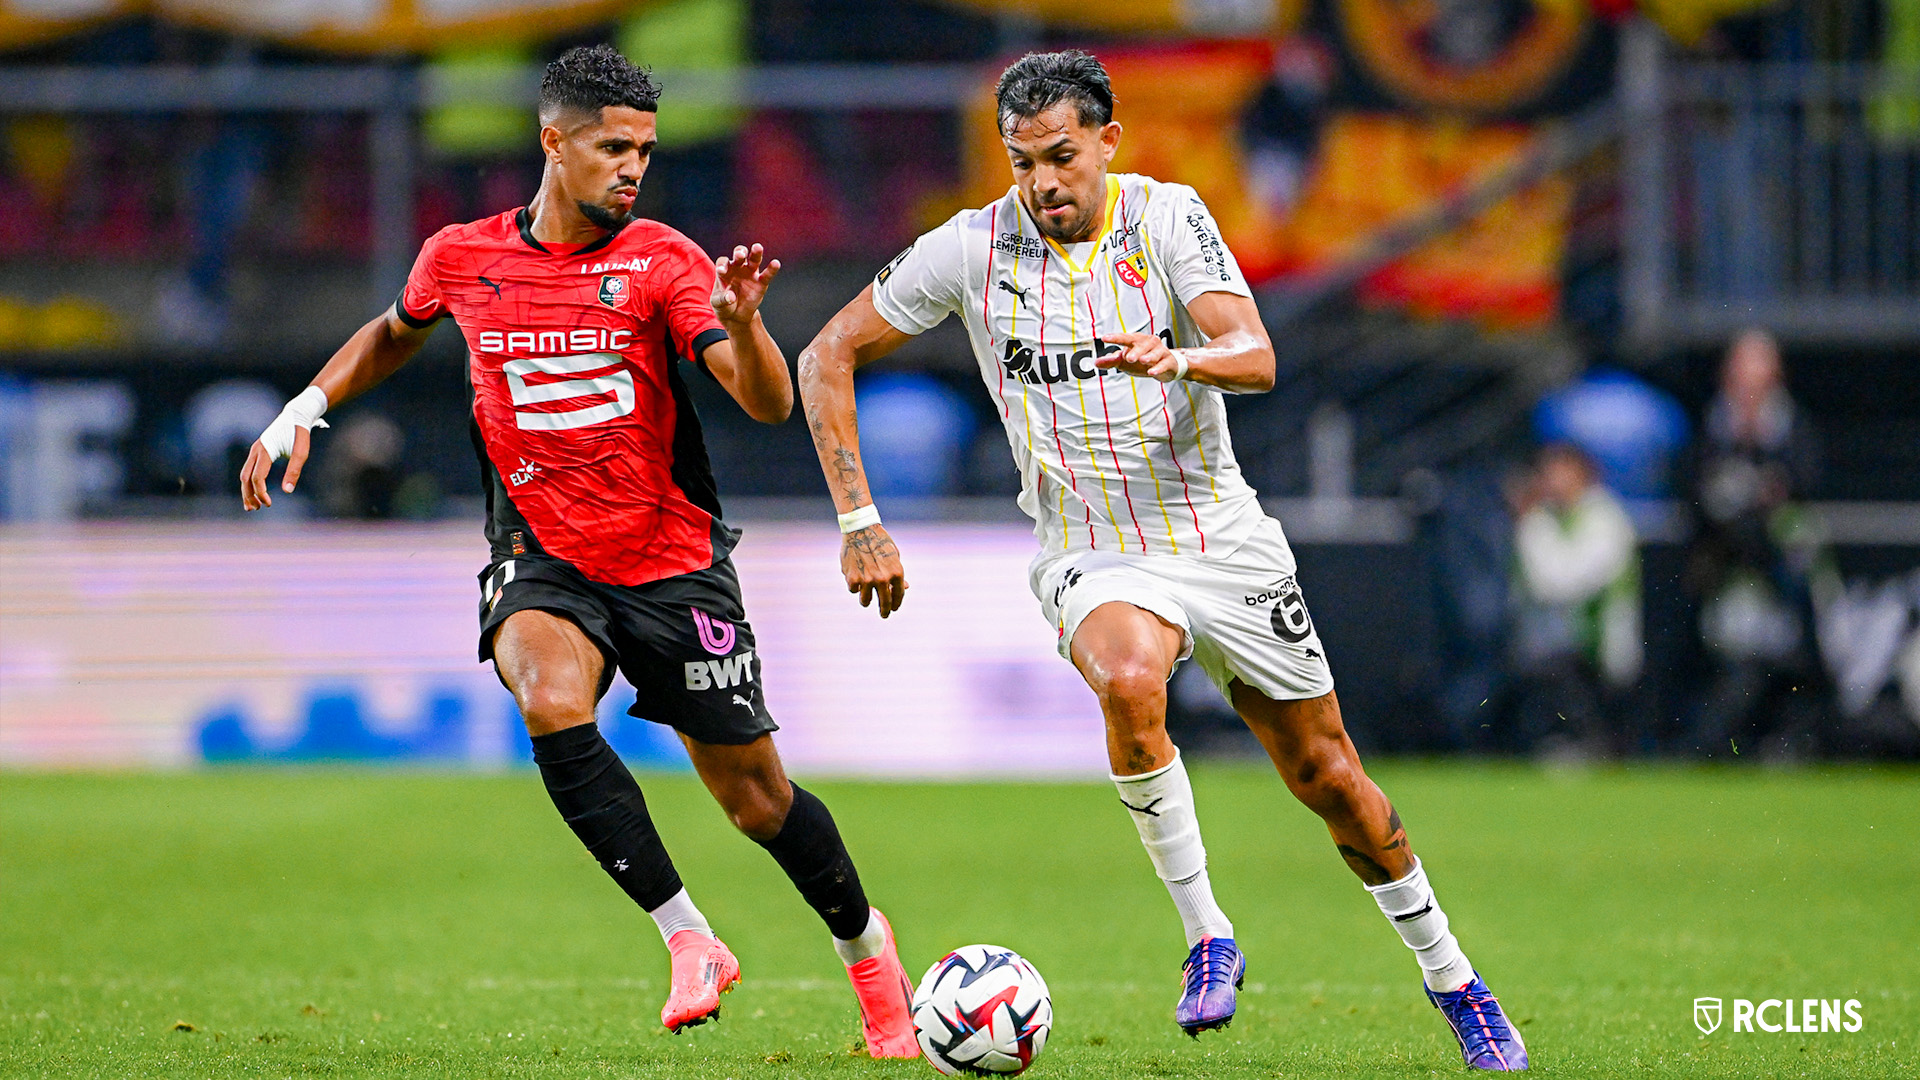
<point>1132,269</point>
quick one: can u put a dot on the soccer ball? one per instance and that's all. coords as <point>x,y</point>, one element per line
<point>982,1009</point>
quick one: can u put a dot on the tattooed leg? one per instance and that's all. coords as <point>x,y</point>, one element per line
<point>1368,862</point>
<point>1309,747</point>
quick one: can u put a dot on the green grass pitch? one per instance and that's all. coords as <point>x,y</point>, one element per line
<point>372,923</point>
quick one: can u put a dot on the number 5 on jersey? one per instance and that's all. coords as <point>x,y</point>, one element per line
<point>617,382</point>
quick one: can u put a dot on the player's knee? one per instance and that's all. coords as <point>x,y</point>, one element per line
<point>547,709</point>
<point>1324,779</point>
<point>759,814</point>
<point>1127,681</point>
<point>756,802</point>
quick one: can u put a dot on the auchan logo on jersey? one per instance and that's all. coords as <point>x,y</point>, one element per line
<point>554,342</point>
<point>1023,363</point>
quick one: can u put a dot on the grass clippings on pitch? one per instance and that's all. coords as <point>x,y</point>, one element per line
<point>370,923</point>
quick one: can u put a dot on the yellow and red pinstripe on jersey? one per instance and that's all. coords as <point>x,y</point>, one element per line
<point>1039,314</point>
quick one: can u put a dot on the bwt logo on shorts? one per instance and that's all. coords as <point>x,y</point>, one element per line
<point>718,637</point>
<point>720,674</point>
<point>1801,1016</point>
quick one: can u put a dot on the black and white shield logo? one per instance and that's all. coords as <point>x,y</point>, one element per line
<point>613,290</point>
<point>1706,1015</point>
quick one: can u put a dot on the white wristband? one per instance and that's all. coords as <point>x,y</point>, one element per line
<point>862,517</point>
<point>303,411</point>
<point>1180,365</point>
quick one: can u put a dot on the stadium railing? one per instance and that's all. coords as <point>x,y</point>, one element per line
<point>1785,195</point>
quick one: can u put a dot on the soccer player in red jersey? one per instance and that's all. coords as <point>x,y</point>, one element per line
<point>607,541</point>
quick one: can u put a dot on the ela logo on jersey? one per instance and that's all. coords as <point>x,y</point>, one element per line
<point>614,289</point>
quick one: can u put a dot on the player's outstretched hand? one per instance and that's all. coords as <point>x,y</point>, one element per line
<point>1143,355</point>
<point>872,564</point>
<point>743,283</point>
<point>253,475</point>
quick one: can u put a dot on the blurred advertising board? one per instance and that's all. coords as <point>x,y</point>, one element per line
<point>181,644</point>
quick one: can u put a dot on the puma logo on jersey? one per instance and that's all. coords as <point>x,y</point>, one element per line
<point>720,674</point>
<point>491,284</point>
<point>1021,294</point>
<point>1021,362</point>
<point>743,702</point>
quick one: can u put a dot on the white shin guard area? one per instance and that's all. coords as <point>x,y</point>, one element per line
<point>1410,907</point>
<point>1161,803</point>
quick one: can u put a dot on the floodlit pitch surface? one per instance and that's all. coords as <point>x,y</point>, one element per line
<point>367,923</point>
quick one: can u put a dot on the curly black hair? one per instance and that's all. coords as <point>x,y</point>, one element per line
<point>1038,81</point>
<point>592,77</point>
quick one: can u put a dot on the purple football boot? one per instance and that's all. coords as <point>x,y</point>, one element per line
<point>1214,970</point>
<point>1487,1041</point>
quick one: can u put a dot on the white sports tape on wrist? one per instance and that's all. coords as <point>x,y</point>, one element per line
<point>860,517</point>
<point>304,411</point>
<point>1180,362</point>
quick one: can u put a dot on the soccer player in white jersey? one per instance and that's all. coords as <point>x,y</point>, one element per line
<point>1108,320</point>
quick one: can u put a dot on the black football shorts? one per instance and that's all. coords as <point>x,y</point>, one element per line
<point>683,642</point>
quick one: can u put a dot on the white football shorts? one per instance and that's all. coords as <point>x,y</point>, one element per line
<point>1242,616</point>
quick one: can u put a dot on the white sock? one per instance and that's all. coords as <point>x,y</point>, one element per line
<point>679,914</point>
<point>871,942</point>
<point>1161,803</point>
<point>1409,905</point>
<point>1201,917</point>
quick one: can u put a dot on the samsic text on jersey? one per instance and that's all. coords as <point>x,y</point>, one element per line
<point>587,437</point>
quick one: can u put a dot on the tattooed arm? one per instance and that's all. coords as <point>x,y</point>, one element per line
<point>856,336</point>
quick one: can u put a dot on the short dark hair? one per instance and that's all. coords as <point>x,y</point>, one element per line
<point>590,78</point>
<point>1038,81</point>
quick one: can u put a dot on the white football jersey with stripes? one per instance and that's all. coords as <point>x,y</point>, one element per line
<point>1107,461</point>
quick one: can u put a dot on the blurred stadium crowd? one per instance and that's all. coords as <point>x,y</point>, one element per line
<point>1598,420</point>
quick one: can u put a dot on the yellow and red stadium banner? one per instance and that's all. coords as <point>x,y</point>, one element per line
<point>360,26</point>
<point>1181,105</point>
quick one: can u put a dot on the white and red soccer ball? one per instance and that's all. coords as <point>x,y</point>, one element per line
<point>982,1009</point>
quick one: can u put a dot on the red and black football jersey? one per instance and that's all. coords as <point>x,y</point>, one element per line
<point>587,437</point>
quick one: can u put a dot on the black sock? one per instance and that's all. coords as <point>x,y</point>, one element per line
<point>809,849</point>
<point>598,797</point>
